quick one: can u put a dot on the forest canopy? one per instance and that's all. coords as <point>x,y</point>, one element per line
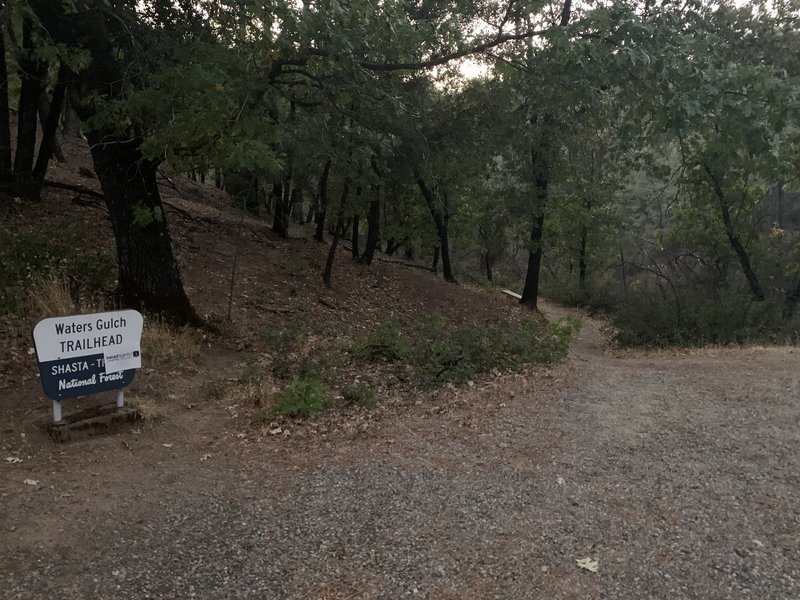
<point>638,158</point>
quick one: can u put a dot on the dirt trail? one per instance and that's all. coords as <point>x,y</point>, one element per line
<point>678,472</point>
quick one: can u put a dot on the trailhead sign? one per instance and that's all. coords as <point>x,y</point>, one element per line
<point>87,354</point>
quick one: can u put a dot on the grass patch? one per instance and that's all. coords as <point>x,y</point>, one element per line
<point>23,258</point>
<point>50,296</point>
<point>359,393</point>
<point>383,342</point>
<point>147,407</point>
<point>166,346</point>
<point>302,398</point>
<point>29,263</point>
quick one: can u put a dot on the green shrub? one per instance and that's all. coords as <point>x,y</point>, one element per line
<point>440,354</point>
<point>359,393</point>
<point>646,319</point>
<point>302,398</point>
<point>292,336</point>
<point>317,365</point>
<point>383,342</point>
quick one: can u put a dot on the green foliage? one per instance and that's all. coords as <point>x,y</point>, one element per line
<point>144,215</point>
<point>647,319</point>
<point>440,353</point>
<point>382,343</point>
<point>359,393</point>
<point>252,371</point>
<point>318,365</point>
<point>564,331</point>
<point>290,337</point>
<point>302,398</point>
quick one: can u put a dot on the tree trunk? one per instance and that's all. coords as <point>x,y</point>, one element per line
<point>46,114</point>
<point>72,124</point>
<point>31,73</point>
<point>311,210</point>
<point>530,293</point>
<point>582,269</point>
<point>49,132</point>
<point>488,260</point>
<point>354,239</point>
<point>393,246</point>
<point>322,206</point>
<point>338,232</point>
<point>440,219</point>
<point>296,202</point>
<point>280,218</point>
<point>791,301</point>
<point>435,263</point>
<point>373,226</point>
<point>149,277</point>
<point>741,253</point>
<point>447,270</point>
<point>5,124</point>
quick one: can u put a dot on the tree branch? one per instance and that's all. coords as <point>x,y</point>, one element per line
<point>445,58</point>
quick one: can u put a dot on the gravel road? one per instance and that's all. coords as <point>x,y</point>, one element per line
<point>678,473</point>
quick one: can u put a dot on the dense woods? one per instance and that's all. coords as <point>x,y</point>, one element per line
<point>637,158</point>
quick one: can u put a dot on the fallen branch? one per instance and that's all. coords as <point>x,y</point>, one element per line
<point>78,189</point>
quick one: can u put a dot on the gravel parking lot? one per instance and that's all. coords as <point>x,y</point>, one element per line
<point>678,473</point>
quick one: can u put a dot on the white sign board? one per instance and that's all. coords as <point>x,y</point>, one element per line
<point>86,354</point>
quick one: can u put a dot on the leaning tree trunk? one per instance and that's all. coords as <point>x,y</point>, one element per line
<point>311,210</point>
<point>31,74</point>
<point>435,261</point>
<point>339,231</point>
<point>149,276</point>
<point>49,132</point>
<point>322,204</point>
<point>741,253</point>
<point>5,124</point>
<point>440,219</point>
<point>46,114</point>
